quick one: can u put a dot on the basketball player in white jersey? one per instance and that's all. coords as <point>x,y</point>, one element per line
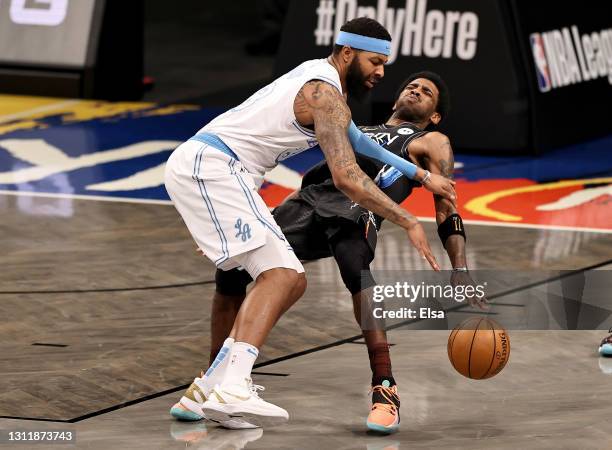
<point>213,180</point>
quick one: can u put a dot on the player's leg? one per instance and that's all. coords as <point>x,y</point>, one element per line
<point>230,222</point>
<point>276,289</point>
<point>230,291</point>
<point>354,255</point>
<point>375,337</point>
<point>231,287</point>
<point>384,414</point>
<point>279,282</point>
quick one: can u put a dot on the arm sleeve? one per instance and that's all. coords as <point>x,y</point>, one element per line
<point>367,147</point>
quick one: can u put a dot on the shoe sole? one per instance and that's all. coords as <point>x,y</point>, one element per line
<point>184,416</point>
<point>605,350</point>
<point>258,420</point>
<point>191,413</point>
<point>382,428</point>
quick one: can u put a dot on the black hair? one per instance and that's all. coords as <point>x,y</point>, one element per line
<point>364,26</point>
<point>443,105</point>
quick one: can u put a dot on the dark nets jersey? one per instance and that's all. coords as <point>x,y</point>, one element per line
<point>319,191</point>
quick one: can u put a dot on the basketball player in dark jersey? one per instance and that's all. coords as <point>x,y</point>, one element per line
<point>320,221</point>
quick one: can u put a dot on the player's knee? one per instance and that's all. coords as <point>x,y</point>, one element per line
<point>286,279</point>
<point>295,281</point>
<point>300,285</point>
<point>357,281</point>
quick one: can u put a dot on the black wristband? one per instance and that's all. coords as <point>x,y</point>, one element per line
<point>452,225</point>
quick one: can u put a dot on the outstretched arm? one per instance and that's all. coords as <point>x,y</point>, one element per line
<point>435,150</point>
<point>331,117</point>
<point>441,161</point>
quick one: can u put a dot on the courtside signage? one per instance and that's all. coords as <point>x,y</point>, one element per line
<point>415,29</point>
<point>48,13</point>
<point>566,56</point>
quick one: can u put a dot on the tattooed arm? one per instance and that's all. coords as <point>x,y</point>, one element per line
<point>434,151</point>
<point>322,104</point>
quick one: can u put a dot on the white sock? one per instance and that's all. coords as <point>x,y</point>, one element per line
<point>216,371</point>
<point>240,364</point>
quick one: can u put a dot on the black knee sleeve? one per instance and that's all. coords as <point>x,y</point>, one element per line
<point>353,255</point>
<point>232,282</point>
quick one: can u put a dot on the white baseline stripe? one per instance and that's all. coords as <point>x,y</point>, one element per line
<point>87,197</point>
<point>424,219</point>
<point>41,109</point>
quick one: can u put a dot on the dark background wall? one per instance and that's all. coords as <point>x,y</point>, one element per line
<point>195,50</point>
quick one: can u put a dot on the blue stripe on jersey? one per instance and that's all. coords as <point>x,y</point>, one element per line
<point>389,177</point>
<point>209,206</point>
<point>214,141</point>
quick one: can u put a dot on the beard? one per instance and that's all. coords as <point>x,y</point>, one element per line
<point>355,82</point>
<point>411,113</point>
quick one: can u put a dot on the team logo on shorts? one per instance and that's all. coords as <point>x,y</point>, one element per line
<point>244,231</point>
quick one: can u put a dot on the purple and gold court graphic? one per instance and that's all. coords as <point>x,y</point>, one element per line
<point>118,150</point>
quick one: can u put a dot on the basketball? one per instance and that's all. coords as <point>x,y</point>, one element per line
<point>479,348</point>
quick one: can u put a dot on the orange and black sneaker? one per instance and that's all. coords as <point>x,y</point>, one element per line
<point>605,348</point>
<point>384,416</point>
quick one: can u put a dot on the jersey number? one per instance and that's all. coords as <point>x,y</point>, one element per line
<point>457,224</point>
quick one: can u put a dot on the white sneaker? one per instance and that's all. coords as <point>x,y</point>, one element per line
<point>242,402</point>
<point>189,407</point>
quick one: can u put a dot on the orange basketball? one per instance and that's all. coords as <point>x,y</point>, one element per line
<point>479,348</point>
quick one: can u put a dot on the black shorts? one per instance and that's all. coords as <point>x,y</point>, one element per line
<point>319,215</point>
<point>319,225</point>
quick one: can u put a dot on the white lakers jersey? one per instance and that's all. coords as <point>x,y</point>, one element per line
<point>263,130</point>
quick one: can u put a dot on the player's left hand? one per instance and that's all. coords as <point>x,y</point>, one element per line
<point>444,187</point>
<point>465,279</point>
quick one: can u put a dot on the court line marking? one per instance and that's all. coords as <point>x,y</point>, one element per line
<point>41,109</point>
<point>533,226</point>
<point>308,351</point>
<point>124,289</point>
<point>98,198</point>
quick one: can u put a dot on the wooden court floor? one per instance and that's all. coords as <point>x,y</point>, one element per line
<point>105,310</point>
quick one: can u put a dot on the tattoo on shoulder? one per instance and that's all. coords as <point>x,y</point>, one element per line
<point>316,96</point>
<point>314,93</point>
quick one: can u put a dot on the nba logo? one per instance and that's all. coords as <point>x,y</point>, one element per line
<point>541,65</point>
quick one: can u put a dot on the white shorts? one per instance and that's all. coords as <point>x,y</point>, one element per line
<point>227,218</point>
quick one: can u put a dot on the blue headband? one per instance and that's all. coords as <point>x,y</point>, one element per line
<point>364,43</point>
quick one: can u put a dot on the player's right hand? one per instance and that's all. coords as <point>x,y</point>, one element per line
<point>442,186</point>
<point>465,279</point>
<point>417,236</point>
